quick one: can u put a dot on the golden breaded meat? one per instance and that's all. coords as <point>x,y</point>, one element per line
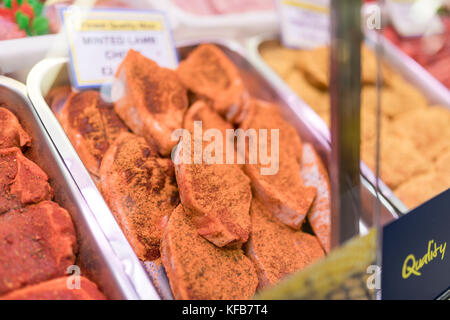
<point>319,100</point>
<point>58,289</point>
<point>22,182</point>
<point>37,243</point>
<point>11,132</point>
<point>209,73</point>
<point>197,269</point>
<point>151,100</point>
<point>92,126</point>
<point>422,188</point>
<point>399,158</point>
<point>427,128</point>
<point>442,165</point>
<point>141,191</point>
<point>315,174</point>
<point>393,104</point>
<point>217,196</point>
<point>277,250</point>
<point>316,66</point>
<point>282,192</point>
<point>280,59</point>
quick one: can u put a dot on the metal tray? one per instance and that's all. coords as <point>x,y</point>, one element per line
<point>411,72</point>
<point>52,72</point>
<point>96,258</point>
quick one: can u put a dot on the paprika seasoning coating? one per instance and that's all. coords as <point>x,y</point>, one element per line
<point>22,182</point>
<point>91,125</point>
<point>37,243</point>
<point>209,74</point>
<point>11,132</point>
<point>141,191</point>
<point>283,191</point>
<point>315,174</point>
<point>276,249</point>
<point>150,99</point>
<point>216,196</point>
<point>199,270</point>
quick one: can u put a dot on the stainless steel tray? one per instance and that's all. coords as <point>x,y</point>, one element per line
<point>114,274</point>
<point>52,72</point>
<point>418,77</point>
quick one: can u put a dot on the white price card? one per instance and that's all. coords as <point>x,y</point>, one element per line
<point>304,23</point>
<point>99,39</point>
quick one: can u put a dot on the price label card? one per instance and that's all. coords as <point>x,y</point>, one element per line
<point>99,39</point>
<point>304,23</point>
<point>416,252</point>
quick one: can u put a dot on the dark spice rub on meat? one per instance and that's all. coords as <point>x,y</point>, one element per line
<point>197,269</point>
<point>141,191</point>
<point>210,75</point>
<point>276,249</point>
<point>151,100</point>
<point>22,182</point>
<point>283,193</point>
<point>11,132</point>
<point>57,289</point>
<point>216,196</point>
<point>37,243</point>
<point>91,125</point>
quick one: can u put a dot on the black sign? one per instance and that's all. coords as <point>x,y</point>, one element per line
<point>416,252</point>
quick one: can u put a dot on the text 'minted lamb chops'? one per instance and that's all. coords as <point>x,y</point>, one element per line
<point>197,269</point>
<point>283,193</point>
<point>140,189</point>
<point>150,100</point>
<point>216,196</point>
<point>22,182</point>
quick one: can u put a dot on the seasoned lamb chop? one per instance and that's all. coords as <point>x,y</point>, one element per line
<point>11,132</point>
<point>210,119</point>
<point>209,74</point>
<point>276,249</point>
<point>197,269</point>
<point>282,192</point>
<point>315,174</point>
<point>22,182</point>
<point>141,191</point>
<point>216,196</point>
<point>92,126</point>
<point>151,100</point>
<point>37,243</point>
<point>57,289</point>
